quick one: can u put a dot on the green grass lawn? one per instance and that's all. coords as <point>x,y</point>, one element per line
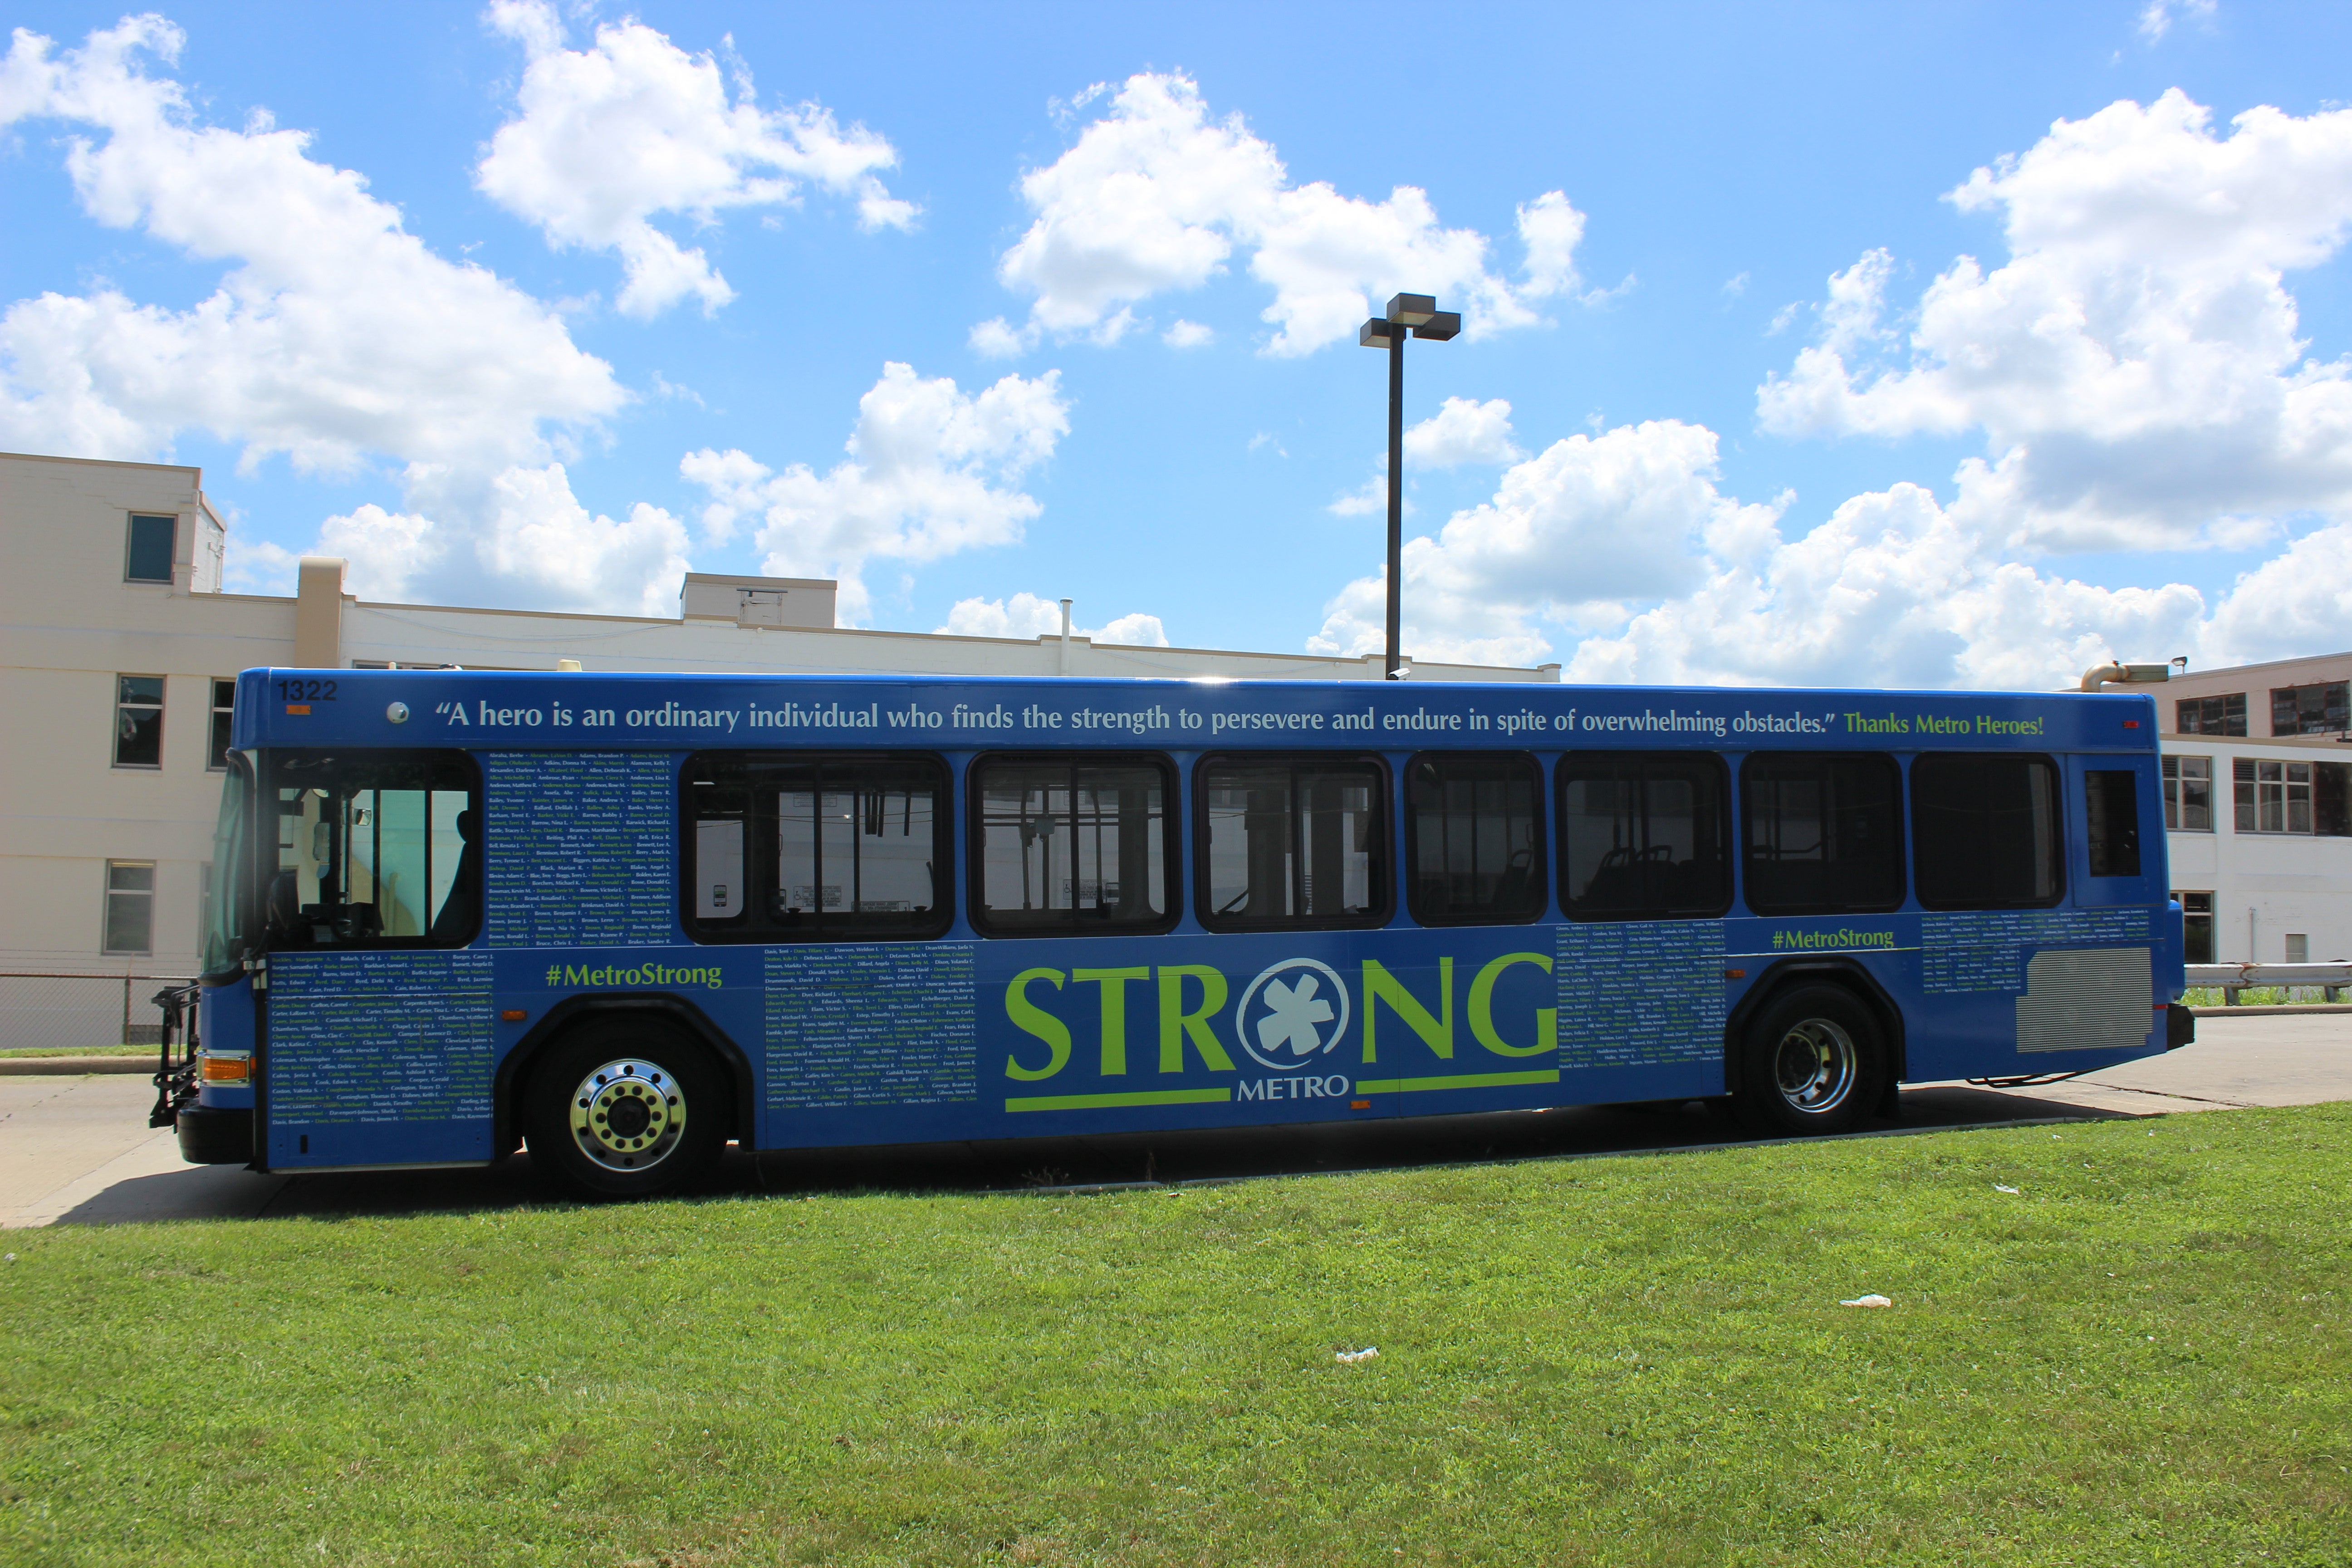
<point>2140,1357</point>
<point>147,1051</point>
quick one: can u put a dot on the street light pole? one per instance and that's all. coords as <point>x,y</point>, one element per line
<point>1418,315</point>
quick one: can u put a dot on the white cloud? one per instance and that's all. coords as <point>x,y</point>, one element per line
<point>931,470</point>
<point>335,338</point>
<point>2156,16</point>
<point>1027,615</point>
<point>2135,366</point>
<point>1155,197</point>
<point>610,137</point>
<point>1464,430</point>
<point>335,334</point>
<point>1186,334</point>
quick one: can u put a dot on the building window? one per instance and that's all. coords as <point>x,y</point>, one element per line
<point>1985,831</point>
<point>2310,709</point>
<point>131,906</point>
<point>2298,947</point>
<point>2189,795</point>
<point>2111,820</point>
<point>1297,842</point>
<point>2292,797</point>
<point>138,720</point>
<point>224,702</point>
<point>2196,926</point>
<point>1823,832</point>
<point>1643,836</point>
<point>147,558</point>
<point>1071,845</point>
<point>2211,715</point>
<point>1474,837</point>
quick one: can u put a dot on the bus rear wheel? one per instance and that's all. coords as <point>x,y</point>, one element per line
<point>1814,1061</point>
<point>623,1108</point>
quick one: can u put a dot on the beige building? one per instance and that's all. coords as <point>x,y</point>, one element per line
<point>118,646</point>
<point>2258,808</point>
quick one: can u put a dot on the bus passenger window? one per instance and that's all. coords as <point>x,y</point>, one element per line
<point>1474,837</point>
<point>1292,842</point>
<point>1985,831</point>
<point>1070,845</point>
<point>1823,833</point>
<point>813,846</point>
<point>2111,821</point>
<point>1643,836</point>
<point>374,850</point>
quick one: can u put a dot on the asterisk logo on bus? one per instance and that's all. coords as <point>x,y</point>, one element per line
<point>1293,1012</point>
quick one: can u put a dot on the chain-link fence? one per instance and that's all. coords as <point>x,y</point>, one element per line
<point>81,1012</point>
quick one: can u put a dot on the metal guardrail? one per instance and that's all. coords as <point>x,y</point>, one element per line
<point>2232,978</point>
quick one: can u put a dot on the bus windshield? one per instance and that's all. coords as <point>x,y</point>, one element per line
<point>224,933</point>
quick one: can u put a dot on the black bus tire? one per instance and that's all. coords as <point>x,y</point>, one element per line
<point>625,1106</point>
<point>1813,1061</point>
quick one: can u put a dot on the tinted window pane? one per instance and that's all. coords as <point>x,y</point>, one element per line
<point>224,705</point>
<point>1293,843</point>
<point>2196,926</point>
<point>814,847</point>
<point>1985,831</point>
<point>374,850</point>
<point>1642,836</point>
<point>138,720</point>
<point>130,906</point>
<point>2310,709</point>
<point>1071,845</point>
<point>149,559</point>
<point>1475,839</point>
<point>1823,832</point>
<point>2111,821</point>
<point>2211,715</point>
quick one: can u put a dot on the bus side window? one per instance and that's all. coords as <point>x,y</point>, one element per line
<point>1292,842</point>
<point>1473,837</point>
<point>1070,845</point>
<point>1643,836</point>
<point>1985,831</point>
<point>813,846</point>
<point>374,850</point>
<point>2111,820</point>
<point>1821,832</point>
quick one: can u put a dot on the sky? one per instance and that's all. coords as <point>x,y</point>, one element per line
<point>1941,345</point>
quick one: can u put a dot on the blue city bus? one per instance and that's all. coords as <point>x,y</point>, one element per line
<point>625,919</point>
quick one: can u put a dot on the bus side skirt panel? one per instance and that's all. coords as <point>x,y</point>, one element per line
<point>507,1126</point>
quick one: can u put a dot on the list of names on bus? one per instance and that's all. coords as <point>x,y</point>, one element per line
<point>581,850</point>
<point>1985,950</point>
<point>379,1037</point>
<point>1640,992</point>
<point>851,1026</point>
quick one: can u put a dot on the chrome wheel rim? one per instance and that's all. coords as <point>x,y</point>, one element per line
<point>1815,1066</point>
<point>627,1115</point>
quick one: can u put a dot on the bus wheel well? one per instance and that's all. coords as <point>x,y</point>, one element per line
<point>513,1081</point>
<point>1788,974</point>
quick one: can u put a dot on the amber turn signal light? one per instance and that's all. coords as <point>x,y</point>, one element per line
<point>513,1016</point>
<point>228,1069</point>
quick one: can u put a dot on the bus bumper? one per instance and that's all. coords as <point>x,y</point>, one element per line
<point>2179,1026</point>
<point>216,1134</point>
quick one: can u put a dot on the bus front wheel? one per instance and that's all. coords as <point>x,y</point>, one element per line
<point>623,1108</point>
<point>1813,1061</point>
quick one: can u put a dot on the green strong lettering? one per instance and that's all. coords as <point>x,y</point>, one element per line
<point>1481,1010</point>
<point>1114,1012</point>
<point>1437,1033</point>
<point>574,975</point>
<point>1033,1019</point>
<point>1176,1025</point>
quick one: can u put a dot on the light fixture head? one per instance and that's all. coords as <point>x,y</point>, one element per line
<point>1411,310</point>
<point>1377,333</point>
<point>1440,327</point>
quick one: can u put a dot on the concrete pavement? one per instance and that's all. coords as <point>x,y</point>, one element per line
<point>78,1150</point>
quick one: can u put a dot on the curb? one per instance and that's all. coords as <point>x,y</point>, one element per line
<point>2273,1010</point>
<point>74,1066</point>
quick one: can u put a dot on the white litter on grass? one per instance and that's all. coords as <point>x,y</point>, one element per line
<point>1872,1299</point>
<point>1999,1188</point>
<point>1370,1353</point>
